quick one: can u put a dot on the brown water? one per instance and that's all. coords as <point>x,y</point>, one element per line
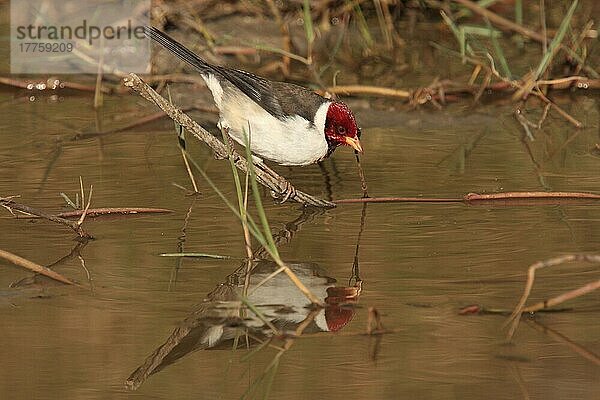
<point>420,263</point>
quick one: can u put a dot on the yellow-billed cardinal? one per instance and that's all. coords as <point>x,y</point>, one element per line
<point>288,124</point>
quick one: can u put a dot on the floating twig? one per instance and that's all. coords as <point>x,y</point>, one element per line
<point>99,212</point>
<point>196,255</point>
<point>512,198</point>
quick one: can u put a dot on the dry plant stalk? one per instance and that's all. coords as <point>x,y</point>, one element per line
<point>265,176</point>
<point>519,309</point>
<point>30,265</point>
<point>10,205</point>
<point>369,90</point>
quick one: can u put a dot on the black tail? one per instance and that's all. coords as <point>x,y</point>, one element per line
<point>178,49</point>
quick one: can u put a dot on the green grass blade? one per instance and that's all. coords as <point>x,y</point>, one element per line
<point>271,371</point>
<point>308,26</point>
<point>236,178</point>
<point>272,248</point>
<point>457,34</point>
<point>519,12</point>
<point>363,26</point>
<point>499,53</point>
<point>555,44</point>
<point>259,314</point>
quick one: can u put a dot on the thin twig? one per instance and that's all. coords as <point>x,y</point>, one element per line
<point>99,212</point>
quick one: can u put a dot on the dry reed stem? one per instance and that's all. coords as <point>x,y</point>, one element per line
<point>30,265</point>
<point>305,291</point>
<point>562,112</point>
<point>580,291</point>
<point>369,90</point>
<point>12,205</point>
<point>514,318</point>
<point>87,207</point>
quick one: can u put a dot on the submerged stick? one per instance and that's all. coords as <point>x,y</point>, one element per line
<point>265,176</point>
<point>30,265</point>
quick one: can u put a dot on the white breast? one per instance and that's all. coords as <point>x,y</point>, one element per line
<point>291,141</point>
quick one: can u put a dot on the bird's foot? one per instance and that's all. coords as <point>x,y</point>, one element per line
<point>219,156</point>
<point>285,194</point>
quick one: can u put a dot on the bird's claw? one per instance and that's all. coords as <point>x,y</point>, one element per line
<point>286,193</point>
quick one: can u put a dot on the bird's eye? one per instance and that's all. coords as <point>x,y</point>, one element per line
<point>341,129</point>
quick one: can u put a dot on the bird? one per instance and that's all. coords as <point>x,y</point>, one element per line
<point>283,122</point>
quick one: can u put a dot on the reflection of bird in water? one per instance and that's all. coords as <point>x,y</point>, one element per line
<point>222,320</point>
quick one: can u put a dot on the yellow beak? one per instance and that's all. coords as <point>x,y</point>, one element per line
<point>355,143</point>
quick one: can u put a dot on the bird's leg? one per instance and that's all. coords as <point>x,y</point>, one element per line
<point>225,131</point>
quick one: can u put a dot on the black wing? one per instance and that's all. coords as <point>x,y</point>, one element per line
<point>277,98</point>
